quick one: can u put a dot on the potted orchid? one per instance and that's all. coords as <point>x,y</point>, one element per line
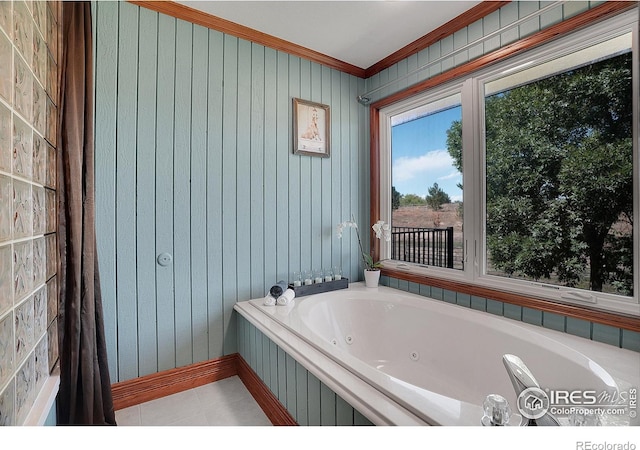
<point>371,267</point>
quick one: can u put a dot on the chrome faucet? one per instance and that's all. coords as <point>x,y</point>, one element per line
<point>522,379</point>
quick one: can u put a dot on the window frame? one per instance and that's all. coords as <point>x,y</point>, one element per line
<point>469,78</point>
<point>568,45</point>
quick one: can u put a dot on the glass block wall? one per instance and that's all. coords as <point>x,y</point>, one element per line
<point>28,240</point>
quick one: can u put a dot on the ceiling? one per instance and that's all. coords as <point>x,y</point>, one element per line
<point>360,32</point>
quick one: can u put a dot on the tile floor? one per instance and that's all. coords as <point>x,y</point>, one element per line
<point>223,403</point>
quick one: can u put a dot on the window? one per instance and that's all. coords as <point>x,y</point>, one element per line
<point>547,154</point>
<point>426,184</point>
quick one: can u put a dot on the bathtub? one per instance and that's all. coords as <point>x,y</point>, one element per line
<point>404,359</point>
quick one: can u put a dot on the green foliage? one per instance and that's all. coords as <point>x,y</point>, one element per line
<point>436,197</point>
<point>395,198</point>
<point>412,200</point>
<point>559,176</point>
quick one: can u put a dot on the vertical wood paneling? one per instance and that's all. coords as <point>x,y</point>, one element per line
<point>359,419</point>
<point>531,25</point>
<point>315,226</point>
<point>508,15</point>
<point>359,173</point>
<point>251,340</point>
<point>326,198</point>
<point>280,214</point>
<point>313,400</point>
<point>302,414</point>
<point>273,215</point>
<point>198,232</point>
<point>257,173</point>
<point>346,243</point>
<point>281,376</point>
<point>273,367</point>
<point>215,306</point>
<point>243,172</point>
<point>306,398</point>
<point>266,361</point>
<point>344,412</point>
<point>291,404</point>
<point>306,177</point>
<point>327,406</point>
<point>182,194</point>
<point>294,169</point>
<point>335,188</point>
<point>106,54</point>
<point>242,342</point>
<point>165,292</point>
<point>125,191</point>
<point>196,161</point>
<point>229,189</point>
<point>145,174</point>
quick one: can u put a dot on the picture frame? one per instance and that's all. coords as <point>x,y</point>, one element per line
<point>311,128</point>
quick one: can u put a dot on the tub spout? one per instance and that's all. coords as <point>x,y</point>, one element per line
<point>522,380</point>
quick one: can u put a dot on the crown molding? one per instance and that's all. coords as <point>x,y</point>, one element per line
<point>463,20</point>
<point>212,22</point>
<point>183,12</point>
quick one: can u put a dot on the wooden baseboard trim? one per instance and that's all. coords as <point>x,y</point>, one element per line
<point>150,387</point>
<point>157,385</point>
<point>277,414</point>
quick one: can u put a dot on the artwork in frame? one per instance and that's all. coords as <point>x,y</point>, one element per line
<point>310,128</point>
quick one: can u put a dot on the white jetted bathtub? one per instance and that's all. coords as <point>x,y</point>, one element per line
<point>403,359</point>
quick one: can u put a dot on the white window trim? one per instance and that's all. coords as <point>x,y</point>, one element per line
<point>473,171</point>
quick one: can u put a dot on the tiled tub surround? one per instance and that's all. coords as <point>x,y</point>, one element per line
<point>386,402</point>
<point>28,253</point>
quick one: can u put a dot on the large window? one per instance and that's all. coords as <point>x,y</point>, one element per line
<point>548,157</point>
<point>426,184</point>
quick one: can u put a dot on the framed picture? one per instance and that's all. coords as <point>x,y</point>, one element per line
<point>310,128</point>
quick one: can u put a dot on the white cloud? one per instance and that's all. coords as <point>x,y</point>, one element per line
<point>453,175</point>
<point>406,168</point>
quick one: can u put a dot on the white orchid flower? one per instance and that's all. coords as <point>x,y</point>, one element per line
<point>383,230</point>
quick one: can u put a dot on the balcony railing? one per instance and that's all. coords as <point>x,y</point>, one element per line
<point>430,246</point>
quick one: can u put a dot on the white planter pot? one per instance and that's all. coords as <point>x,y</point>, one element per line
<point>371,278</point>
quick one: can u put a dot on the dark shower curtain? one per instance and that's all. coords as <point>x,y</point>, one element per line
<point>85,388</point>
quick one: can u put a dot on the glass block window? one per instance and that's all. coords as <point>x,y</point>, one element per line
<point>28,240</point>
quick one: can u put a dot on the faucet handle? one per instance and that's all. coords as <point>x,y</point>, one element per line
<point>496,411</point>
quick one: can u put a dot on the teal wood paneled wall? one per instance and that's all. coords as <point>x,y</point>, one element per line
<point>308,400</point>
<point>448,52</point>
<point>194,159</point>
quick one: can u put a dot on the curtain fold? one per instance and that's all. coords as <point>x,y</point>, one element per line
<point>85,388</point>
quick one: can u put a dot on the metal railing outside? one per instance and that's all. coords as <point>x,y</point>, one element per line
<point>430,246</point>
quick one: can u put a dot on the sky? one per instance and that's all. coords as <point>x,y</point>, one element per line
<point>419,155</point>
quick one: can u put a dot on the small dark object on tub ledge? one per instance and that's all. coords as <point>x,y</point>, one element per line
<point>317,288</point>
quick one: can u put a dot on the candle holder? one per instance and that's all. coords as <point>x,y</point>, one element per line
<point>318,288</point>
<point>296,279</point>
<point>308,278</point>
